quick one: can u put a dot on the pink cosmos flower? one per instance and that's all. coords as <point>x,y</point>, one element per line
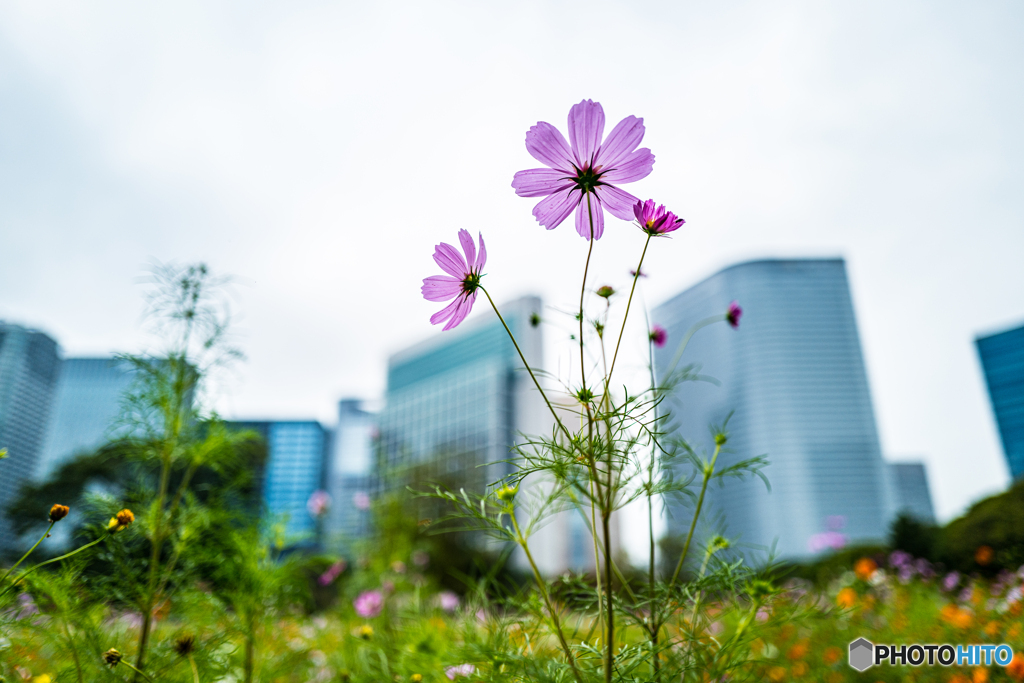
<point>461,282</point>
<point>318,503</point>
<point>453,672</point>
<point>328,577</point>
<point>584,173</point>
<point>659,336</point>
<point>369,604</point>
<point>448,601</point>
<point>361,499</point>
<point>656,220</point>
<point>733,314</point>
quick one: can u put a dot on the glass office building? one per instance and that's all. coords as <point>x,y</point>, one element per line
<point>29,366</point>
<point>910,488</point>
<point>349,476</point>
<point>792,377</point>
<point>459,400</point>
<point>86,407</point>
<point>296,450</point>
<point>1002,358</point>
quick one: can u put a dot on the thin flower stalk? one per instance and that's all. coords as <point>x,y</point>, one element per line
<point>28,571</point>
<point>29,552</point>
<point>709,470</point>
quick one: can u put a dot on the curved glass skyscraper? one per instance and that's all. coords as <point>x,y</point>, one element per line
<point>794,380</point>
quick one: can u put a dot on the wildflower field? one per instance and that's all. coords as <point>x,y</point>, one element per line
<point>156,560</point>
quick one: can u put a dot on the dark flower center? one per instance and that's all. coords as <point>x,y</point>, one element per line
<point>472,282</point>
<point>587,179</point>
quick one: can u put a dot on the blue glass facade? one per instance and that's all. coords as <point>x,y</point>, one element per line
<point>296,450</point>
<point>452,401</point>
<point>29,366</point>
<point>86,407</point>
<point>1002,357</point>
<point>910,487</point>
<point>794,380</point>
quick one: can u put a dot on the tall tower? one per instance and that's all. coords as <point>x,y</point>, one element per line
<point>793,378</point>
<point>29,366</point>
<point>1002,357</point>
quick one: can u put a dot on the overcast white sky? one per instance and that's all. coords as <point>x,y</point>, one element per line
<point>318,151</point>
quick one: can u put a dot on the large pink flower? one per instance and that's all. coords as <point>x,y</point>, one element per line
<point>461,283</point>
<point>583,174</point>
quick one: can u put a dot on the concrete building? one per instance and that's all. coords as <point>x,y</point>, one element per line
<point>455,405</point>
<point>1002,358</point>
<point>29,366</point>
<point>910,488</point>
<point>349,476</point>
<point>86,407</point>
<point>792,377</point>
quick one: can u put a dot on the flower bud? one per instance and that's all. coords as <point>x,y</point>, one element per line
<point>658,335</point>
<point>733,314</point>
<point>112,657</point>
<point>720,439</point>
<point>507,493</point>
<point>59,512</point>
<point>605,292</point>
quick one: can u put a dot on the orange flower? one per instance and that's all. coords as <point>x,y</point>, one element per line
<point>831,655</point>
<point>777,674</point>
<point>963,619</point>
<point>799,651</point>
<point>1015,669</point>
<point>979,675</point>
<point>800,669</point>
<point>847,598</point>
<point>959,678</point>
<point>120,521</point>
<point>983,555</point>
<point>992,629</point>
<point>865,568</point>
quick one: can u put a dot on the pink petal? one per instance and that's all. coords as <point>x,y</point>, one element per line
<point>465,306</point>
<point>440,287</point>
<point>450,260</point>
<point>623,139</point>
<point>586,128</point>
<point>481,258</point>
<point>552,210</point>
<point>618,202</point>
<point>633,167</point>
<point>548,146</point>
<point>583,217</point>
<point>468,246</point>
<point>445,312</point>
<point>540,182</point>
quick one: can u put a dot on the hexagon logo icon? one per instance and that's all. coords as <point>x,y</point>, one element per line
<point>862,654</point>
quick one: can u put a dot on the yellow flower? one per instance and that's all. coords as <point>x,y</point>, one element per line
<point>45,678</point>
<point>120,521</point>
<point>366,632</point>
<point>777,674</point>
<point>112,657</point>
<point>59,512</point>
<point>416,678</point>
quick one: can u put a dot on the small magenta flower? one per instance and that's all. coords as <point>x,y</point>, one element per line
<point>461,283</point>
<point>453,672</point>
<point>658,335</point>
<point>318,503</point>
<point>583,174</point>
<point>448,601</point>
<point>361,500</point>
<point>369,604</point>
<point>656,220</point>
<point>733,314</point>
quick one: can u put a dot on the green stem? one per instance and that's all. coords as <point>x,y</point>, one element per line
<point>195,671</point>
<point>686,340</point>
<point>527,365</point>
<point>625,316</point>
<point>542,585</point>
<point>583,289</point>
<point>137,671</point>
<point>30,550</point>
<point>25,573</point>
<point>708,471</point>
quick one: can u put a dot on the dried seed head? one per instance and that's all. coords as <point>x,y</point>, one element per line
<point>112,657</point>
<point>59,512</point>
<point>184,645</point>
